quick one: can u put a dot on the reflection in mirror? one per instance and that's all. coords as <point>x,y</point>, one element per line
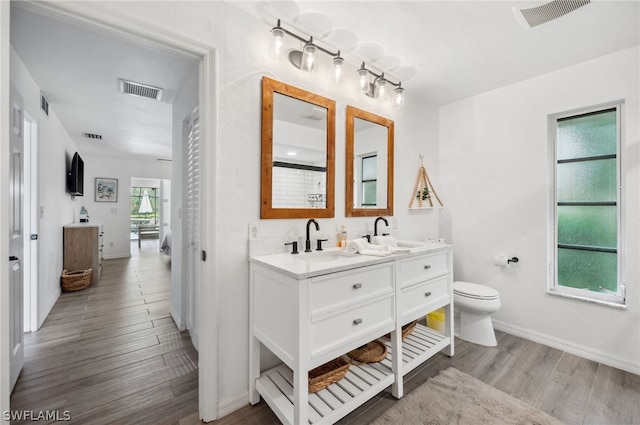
<point>369,159</point>
<point>299,154</point>
<point>298,131</point>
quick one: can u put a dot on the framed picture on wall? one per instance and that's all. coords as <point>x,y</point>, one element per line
<point>106,189</point>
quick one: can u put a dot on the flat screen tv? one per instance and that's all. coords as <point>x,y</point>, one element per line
<point>75,178</point>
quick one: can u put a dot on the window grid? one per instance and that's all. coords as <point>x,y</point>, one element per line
<point>597,260</point>
<point>369,184</point>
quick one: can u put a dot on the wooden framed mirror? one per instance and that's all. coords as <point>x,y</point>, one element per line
<point>298,153</point>
<point>369,164</point>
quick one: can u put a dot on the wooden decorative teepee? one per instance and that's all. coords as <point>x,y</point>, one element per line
<point>423,190</point>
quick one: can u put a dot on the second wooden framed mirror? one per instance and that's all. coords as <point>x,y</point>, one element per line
<point>369,164</point>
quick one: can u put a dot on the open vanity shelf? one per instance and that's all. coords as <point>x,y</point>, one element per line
<point>361,382</point>
<point>330,404</point>
<point>308,312</point>
<point>421,344</point>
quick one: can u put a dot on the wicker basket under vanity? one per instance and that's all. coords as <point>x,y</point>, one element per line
<point>327,374</point>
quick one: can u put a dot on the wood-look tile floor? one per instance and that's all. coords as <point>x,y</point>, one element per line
<point>111,354</point>
<point>572,389</point>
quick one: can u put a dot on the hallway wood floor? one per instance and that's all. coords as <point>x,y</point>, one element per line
<point>111,354</point>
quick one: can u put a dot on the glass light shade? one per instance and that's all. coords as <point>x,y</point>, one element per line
<point>399,98</point>
<point>364,80</point>
<point>278,35</point>
<point>308,57</point>
<point>337,69</point>
<point>382,89</point>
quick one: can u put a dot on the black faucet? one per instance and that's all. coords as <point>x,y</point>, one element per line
<point>375,225</point>
<point>307,244</point>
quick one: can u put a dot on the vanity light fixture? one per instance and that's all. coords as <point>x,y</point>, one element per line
<point>372,84</point>
<point>380,88</point>
<point>305,59</point>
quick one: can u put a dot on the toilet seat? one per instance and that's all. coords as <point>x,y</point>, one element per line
<point>474,291</point>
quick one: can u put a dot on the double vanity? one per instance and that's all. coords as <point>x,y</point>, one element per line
<point>311,308</point>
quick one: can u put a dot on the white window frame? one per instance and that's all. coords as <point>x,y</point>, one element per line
<point>606,298</point>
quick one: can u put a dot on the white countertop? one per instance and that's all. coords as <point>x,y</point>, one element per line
<point>332,260</point>
<point>84,224</point>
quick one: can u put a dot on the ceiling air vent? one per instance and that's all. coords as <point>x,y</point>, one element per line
<point>44,104</point>
<point>141,90</point>
<point>530,17</point>
<point>92,136</point>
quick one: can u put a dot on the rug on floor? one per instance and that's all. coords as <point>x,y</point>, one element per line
<point>453,397</point>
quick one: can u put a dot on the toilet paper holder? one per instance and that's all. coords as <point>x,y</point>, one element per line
<point>505,260</point>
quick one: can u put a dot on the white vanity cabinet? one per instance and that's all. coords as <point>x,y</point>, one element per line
<point>310,313</point>
<point>424,284</point>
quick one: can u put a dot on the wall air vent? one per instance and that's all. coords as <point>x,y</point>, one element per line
<point>92,136</point>
<point>530,17</point>
<point>140,90</point>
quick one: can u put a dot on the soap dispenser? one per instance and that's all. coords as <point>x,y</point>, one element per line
<point>342,237</point>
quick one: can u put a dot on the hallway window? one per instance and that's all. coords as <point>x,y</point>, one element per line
<point>587,206</point>
<point>144,206</point>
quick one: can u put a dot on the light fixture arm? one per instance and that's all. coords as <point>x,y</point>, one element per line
<point>306,41</point>
<point>380,76</point>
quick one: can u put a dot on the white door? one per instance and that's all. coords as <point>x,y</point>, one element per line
<point>16,237</point>
<point>192,224</point>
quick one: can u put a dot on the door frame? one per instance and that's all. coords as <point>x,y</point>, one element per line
<point>31,223</point>
<point>5,129</point>
<point>153,37</point>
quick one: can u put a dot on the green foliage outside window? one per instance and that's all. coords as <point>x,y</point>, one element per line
<point>137,195</point>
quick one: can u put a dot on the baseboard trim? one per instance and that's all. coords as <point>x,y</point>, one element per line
<point>575,349</point>
<point>44,313</point>
<point>178,321</point>
<point>195,339</point>
<point>231,405</point>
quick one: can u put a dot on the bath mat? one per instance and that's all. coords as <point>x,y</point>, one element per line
<point>453,397</point>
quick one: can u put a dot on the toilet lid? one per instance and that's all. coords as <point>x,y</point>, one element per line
<point>474,290</point>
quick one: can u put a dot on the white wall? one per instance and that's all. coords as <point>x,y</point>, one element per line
<point>495,172</point>
<point>116,216</point>
<point>56,207</point>
<point>242,43</point>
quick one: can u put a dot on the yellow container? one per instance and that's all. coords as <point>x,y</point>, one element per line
<point>435,320</point>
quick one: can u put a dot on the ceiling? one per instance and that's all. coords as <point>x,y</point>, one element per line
<point>78,70</point>
<point>442,51</point>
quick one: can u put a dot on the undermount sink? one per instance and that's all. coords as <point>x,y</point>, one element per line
<point>409,244</point>
<point>324,256</point>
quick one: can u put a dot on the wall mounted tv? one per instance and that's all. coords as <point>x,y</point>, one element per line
<point>75,177</point>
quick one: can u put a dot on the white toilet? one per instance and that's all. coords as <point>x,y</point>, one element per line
<point>475,303</point>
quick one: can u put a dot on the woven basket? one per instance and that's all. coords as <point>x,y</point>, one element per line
<point>327,374</point>
<point>372,352</point>
<point>406,329</point>
<point>75,280</point>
